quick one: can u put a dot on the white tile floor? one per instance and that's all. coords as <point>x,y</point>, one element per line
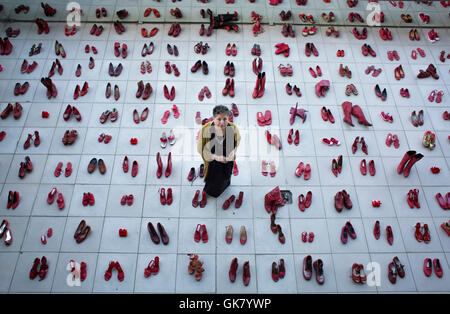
<point>34,216</point>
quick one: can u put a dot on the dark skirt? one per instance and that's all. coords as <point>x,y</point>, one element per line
<point>218,177</point>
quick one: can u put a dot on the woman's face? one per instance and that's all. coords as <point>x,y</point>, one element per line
<point>221,120</point>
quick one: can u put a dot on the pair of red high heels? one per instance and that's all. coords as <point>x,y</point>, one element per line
<point>160,165</point>
<point>425,236</point>
<point>231,199</point>
<point>196,203</point>
<point>36,141</point>
<point>152,268</point>
<point>15,108</point>
<point>245,274</point>
<point>116,265</point>
<point>169,96</point>
<point>165,199</point>
<point>56,65</point>
<point>201,233</point>
<point>80,91</point>
<point>389,233</point>
<point>336,165</point>
<point>13,200</point>
<point>25,167</point>
<point>304,202</point>
<point>278,270</point>
<point>43,269</point>
<point>444,203</point>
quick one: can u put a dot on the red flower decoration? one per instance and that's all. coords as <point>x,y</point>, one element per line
<point>376,203</point>
<point>435,170</point>
<point>123,232</point>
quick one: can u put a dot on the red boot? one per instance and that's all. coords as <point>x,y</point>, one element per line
<point>347,107</point>
<point>357,112</point>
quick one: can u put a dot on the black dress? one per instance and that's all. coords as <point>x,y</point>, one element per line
<point>218,177</point>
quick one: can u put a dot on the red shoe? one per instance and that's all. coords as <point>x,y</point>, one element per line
<point>134,169</point>
<point>130,200</point>
<point>228,202</point>
<point>281,269</point>
<point>123,201</point>
<point>60,201</point>
<point>197,235</point>
<point>108,272</point>
<point>427,267</point>
<point>169,165</point>
<point>275,272</point>
<point>91,199</point>
<point>281,237</point>
<point>121,274</point>
<point>376,230</point>
<point>437,268</point>
<point>229,234</point>
<point>389,235</point>
<point>34,270</point>
<point>426,234</point>
<point>51,196</point>
<point>203,200</point>
<point>160,165</point>
<point>418,234</point>
<point>204,232</point>
<point>44,268</point>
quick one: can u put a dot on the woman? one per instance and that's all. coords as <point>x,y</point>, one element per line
<point>217,144</point>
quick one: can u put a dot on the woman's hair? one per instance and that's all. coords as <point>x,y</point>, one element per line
<point>220,110</point>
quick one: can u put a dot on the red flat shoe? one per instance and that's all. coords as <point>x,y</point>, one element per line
<point>437,268</point>
<point>123,201</point>
<point>307,174</point>
<point>51,196</point>
<point>44,268</point>
<point>389,235</point>
<point>60,201</point>
<point>58,169</point>
<point>427,267</point>
<point>34,270</point>
<point>134,169</point>
<point>363,167</point>
<point>130,200</point>
<point>275,272</point>
<point>91,199</point>
<point>426,234</point>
